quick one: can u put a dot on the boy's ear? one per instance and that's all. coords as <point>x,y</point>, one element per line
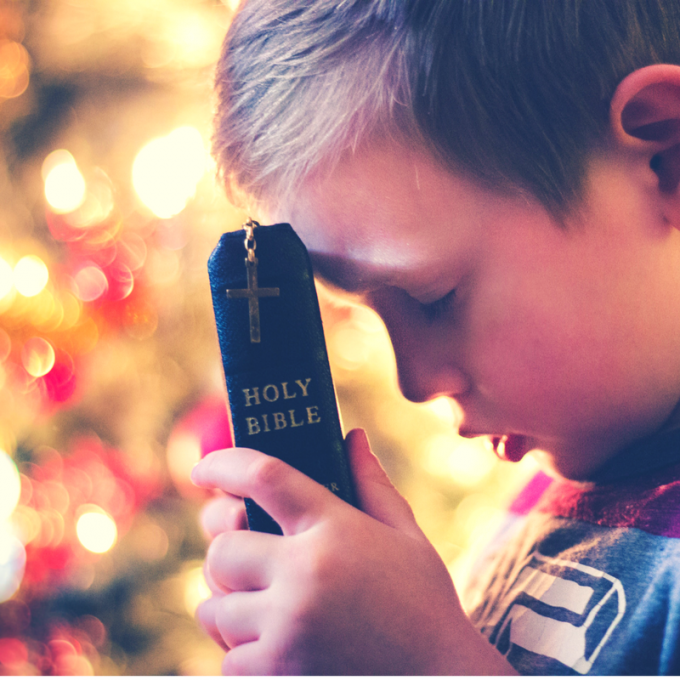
<point>645,119</point>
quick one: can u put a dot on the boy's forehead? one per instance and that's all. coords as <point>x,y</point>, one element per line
<point>354,255</point>
<point>389,215</point>
<point>372,205</point>
<point>356,222</point>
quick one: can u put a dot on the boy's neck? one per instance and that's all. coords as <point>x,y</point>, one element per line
<point>673,420</point>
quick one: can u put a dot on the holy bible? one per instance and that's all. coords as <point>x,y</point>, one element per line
<point>279,386</point>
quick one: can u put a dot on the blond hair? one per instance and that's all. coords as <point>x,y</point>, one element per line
<point>515,92</point>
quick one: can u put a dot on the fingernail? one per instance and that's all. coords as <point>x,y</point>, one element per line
<point>194,473</point>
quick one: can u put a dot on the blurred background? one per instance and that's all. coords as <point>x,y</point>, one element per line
<point>110,376</point>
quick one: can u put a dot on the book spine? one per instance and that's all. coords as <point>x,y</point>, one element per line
<point>280,391</point>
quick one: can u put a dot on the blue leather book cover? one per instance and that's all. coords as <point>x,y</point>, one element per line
<point>279,384</point>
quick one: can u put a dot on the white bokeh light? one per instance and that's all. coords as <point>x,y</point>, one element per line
<point>96,529</point>
<point>6,278</point>
<point>166,171</point>
<point>30,275</point>
<point>10,486</point>
<point>12,563</point>
<point>65,188</point>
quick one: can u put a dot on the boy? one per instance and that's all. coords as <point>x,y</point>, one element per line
<point>499,181</point>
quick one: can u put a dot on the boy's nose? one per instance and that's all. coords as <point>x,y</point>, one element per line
<point>426,354</point>
<point>424,374</point>
<point>426,362</point>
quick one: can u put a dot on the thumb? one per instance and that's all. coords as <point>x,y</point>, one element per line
<point>376,494</point>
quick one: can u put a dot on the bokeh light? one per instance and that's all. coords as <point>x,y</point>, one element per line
<point>90,283</point>
<point>96,529</point>
<point>37,356</point>
<point>356,341</point>
<point>60,382</point>
<point>167,170</point>
<point>5,345</point>
<point>6,278</point>
<point>30,275</point>
<point>10,486</point>
<point>113,297</point>
<point>196,589</point>
<point>446,410</point>
<point>96,204</point>
<point>184,451</point>
<point>13,654</point>
<point>150,541</point>
<point>465,462</point>
<point>12,563</point>
<point>14,69</point>
<point>65,188</point>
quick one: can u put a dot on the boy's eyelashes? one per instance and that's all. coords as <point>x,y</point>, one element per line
<point>377,298</point>
<point>436,309</point>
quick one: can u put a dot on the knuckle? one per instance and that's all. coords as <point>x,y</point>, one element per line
<point>221,515</point>
<point>236,516</point>
<point>266,471</point>
<point>232,666</point>
<point>218,550</point>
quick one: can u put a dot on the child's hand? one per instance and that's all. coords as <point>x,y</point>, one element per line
<point>223,513</point>
<point>343,591</point>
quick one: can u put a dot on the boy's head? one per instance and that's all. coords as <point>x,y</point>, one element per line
<point>428,154</point>
<point>517,93</point>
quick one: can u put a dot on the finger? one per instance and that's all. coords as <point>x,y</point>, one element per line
<point>242,560</point>
<point>294,500</point>
<point>206,614</point>
<point>239,617</point>
<point>215,589</point>
<point>250,659</point>
<point>224,513</point>
<point>376,494</point>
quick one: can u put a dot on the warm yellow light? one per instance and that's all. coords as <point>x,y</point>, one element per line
<point>14,69</point>
<point>166,171</point>
<point>183,452</point>
<point>5,345</point>
<point>445,409</point>
<point>349,346</point>
<point>37,356</point>
<point>465,462</point>
<point>97,204</point>
<point>10,486</point>
<point>95,529</point>
<point>72,309</point>
<point>65,188</point>
<point>195,589</point>
<point>6,278</point>
<point>30,275</point>
<point>26,523</point>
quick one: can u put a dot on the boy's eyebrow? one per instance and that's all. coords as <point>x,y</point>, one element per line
<point>344,274</point>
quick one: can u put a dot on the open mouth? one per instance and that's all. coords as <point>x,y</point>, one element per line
<point>511,447</point>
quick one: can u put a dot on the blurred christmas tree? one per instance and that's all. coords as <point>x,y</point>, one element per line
<point>110,380</point>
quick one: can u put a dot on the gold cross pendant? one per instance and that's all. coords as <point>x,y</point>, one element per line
<point>253,293</point>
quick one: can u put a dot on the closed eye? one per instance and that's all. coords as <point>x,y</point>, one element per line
<point>435,310</point>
